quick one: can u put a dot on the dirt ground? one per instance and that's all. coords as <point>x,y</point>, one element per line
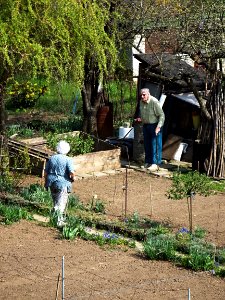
<point>31,254</point>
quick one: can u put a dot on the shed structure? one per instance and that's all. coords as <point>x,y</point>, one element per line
<point>166,75</point>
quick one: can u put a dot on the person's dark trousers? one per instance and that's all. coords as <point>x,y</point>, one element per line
<point>152,144</point>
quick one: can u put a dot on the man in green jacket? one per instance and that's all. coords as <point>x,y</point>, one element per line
<point>151,115</point>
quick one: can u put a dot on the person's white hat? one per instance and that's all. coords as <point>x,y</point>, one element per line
<point>62,147</point>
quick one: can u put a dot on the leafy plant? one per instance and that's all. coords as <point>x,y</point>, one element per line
<point>7,183</point>
<point>26,132</point>
<point>199,233</point>
<point>60,97</point>
<point>184,185</point>
<point>36,193</point>
<point>157,230</point>
<point>134,220</point>
<point>74,202</point>
<point>200,259</point>
<point>96,205</point>
<point>21,161</point>
<point>79,144</point>
<point>218,186</point>
<point>72,123</point>
<point>160,247</point>
<point>74,227</point>
<point>220,272</point>
<point>9,180</point>
<point>12,213</point>
<point>123,94</point>
<point>53,218</point>
<point>99,207</point>
<point>188,185</point>
<point>220,256</point>
<point>25,95</point>
<point>12,130</point>
<point>183,238</point>
<point>21,131</point>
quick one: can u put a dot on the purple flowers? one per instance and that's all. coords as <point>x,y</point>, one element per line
<point>108,235</point>
<point>183,230</point>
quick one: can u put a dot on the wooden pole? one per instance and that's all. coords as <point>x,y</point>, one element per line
<point>63,278</point>
<point>57,289</point>
<point>126,195</point>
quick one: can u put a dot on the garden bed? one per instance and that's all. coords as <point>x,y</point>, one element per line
<point>103,157</point>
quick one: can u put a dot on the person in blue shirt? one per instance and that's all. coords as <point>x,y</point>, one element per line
<point>59,175</point>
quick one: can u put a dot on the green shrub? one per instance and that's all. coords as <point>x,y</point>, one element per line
<point>74,202</point>
<point>109,238</point>
<point>218,186</point>
<point>9,180</point>
<point>220,256</point>
<point>184,185</point>
<point>96,205</point>
<point>60,98</point>
<point>157,230</point>
<point>25,95</point>
<point>199,233</point>
<point>187,186</point>
<point>7,183</point>
<point>13,213</point>
<point>183,239</point>
<point>79,144</point>
<point>74,228</point>
<point>134,220</point>
<point>160,247</point>
<point>200,259</point>
<point>220,272</point>
<point>20,131</point>
<point>72,123</point>
<point>37,193</point>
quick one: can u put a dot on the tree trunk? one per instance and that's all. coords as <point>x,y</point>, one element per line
<point>92,93</point>
<point>3,139</point>
<point>2,110</point>
<point>90,122</point>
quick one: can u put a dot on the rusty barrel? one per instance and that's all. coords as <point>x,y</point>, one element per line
<point>105,121</point>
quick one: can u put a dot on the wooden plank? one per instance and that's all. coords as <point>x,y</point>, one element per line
<point>34,141</point>
<point>170,146</point>
<point>37,151</point>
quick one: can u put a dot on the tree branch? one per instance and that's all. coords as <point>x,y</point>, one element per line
<point>199,98</point>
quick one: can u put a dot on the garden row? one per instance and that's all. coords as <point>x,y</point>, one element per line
<point>159,242</point>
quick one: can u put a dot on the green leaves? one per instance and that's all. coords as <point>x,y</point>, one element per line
<point>25,94</point>
<point>12,213</point>
<point>185,185</point>
<point>54,38</point>
<point>79,144</point>
<point>160,247</point>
